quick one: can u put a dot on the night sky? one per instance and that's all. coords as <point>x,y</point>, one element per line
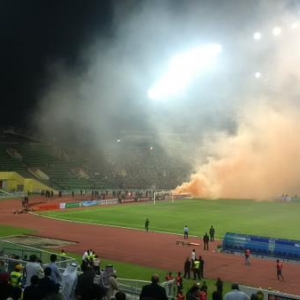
<point>35,33</point>
<point>124,44</point>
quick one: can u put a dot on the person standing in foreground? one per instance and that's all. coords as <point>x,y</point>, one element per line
<point>31,291</point>
<point>16,278</point>
<point>236,294</point>
<point>55,275</point>
<point>153,290</point>
<point>147,224</point>
<point>219,286</point>
<point>179,282</point>
<point>69,281</point>
<point>187,268</point>
<point>279,270</point>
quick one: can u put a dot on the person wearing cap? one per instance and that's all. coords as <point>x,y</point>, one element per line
<point>69,282</point>
<point>236,294</point>
<point>153,290</point>
<point>16,278</point>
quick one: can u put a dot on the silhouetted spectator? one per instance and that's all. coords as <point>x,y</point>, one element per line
<point>153,290</point>
<point>47,287</point>
<point>31,292</point>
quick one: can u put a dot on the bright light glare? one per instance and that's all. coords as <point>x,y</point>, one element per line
<point>277,31</point>
<point>257,75</point>
<point>183,68</point>
<point>257,36</point>
<point>295,25</point>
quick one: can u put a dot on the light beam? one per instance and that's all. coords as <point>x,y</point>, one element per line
<point>182,69</point>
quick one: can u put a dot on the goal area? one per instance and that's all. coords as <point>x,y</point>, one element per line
<point>162,195</point>
<point>169,196</point>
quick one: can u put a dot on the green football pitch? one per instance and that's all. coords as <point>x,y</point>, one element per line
<point>271,219</point>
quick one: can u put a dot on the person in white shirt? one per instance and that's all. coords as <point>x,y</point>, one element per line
<point>193,255</point>
<point>86,256</point>
<point>236,294</point>
<point>33,267</point>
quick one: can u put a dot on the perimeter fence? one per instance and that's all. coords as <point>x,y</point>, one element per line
<point>18,253</point>
<point>133,287</point>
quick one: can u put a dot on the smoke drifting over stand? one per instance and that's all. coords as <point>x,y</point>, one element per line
<point>241,132</point>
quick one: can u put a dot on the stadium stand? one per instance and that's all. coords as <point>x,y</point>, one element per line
<point>262,246</point>
<point>131,165</point>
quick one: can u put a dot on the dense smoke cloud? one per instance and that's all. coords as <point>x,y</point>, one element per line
<point>107,90</point>
<point>237,132</point>
<point>261,159</point>
<point>259,162</point>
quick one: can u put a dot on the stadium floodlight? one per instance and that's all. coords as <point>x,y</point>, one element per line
<point>257,36</point>
<point>257,74</point>
<point>182,69</point>
<point>277,31</point>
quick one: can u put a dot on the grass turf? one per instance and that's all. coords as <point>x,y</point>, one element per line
<point>273,219</point>
<point>9,231</point>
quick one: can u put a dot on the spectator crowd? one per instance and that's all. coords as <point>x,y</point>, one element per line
<point>32,280</point>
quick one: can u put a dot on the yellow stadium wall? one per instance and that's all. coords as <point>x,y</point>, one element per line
<point>34,186</point>
<point>13,180</point>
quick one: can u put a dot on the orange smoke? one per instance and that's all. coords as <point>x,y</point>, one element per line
<point>261,161</point>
